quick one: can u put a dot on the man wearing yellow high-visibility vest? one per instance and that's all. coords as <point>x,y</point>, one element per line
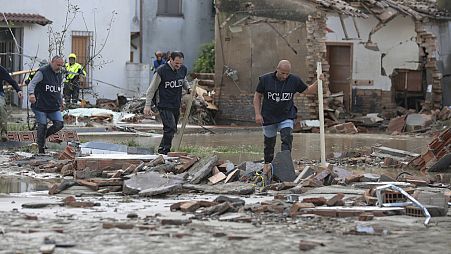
<point>72,82</point>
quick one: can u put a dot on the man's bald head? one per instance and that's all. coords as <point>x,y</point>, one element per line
<point>283,69</point>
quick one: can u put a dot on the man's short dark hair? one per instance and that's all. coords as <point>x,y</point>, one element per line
<point>175,54</point>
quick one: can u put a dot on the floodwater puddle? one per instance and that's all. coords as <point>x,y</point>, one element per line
<point>12,184</point>
<point>247,146</point>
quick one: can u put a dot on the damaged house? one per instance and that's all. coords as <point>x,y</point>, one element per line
<point>377,54</point>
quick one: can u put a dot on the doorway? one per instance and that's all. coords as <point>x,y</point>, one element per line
<point>339,57</point>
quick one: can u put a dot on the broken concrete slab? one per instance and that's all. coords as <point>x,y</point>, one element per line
<point>283,168</point>
<point>442,165</point>
<point>396,154</point>
<point>249,168</point>
<point>168,188</point>
<point>335,189</point>
<point>434,201</point>
<point>152,182</point>
<point>369,177</point>
<point>417,121</point>
<point>95,147</point>
<point>233,201</point>
<point>235,188</point>
<point>354,211</point>
<point>202,169</point>
<point>341,173</point>
<point>218,209</point>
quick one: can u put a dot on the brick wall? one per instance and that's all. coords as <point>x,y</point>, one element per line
<point>240,108</point>
<point>371,101</point>
<point>236,108</point>
<point>307,105</point>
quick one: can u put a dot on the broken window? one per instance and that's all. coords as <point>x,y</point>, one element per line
<point>169,8</point>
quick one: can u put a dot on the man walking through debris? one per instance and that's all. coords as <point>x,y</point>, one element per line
<point>277,112</point>
<point>4,76</point>
<point>167,85</point>
<point>44,93</point>
<point>71,89</point>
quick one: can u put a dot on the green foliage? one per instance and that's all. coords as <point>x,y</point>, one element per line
<point>206,61</point>
<point>17,127</point>
<point>203,151</point>
<point>131,143</point>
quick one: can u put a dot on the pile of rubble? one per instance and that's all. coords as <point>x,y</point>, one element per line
<point>416,123</point>
<point>330,190</point>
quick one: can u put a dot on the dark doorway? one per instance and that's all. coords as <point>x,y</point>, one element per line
<point>339,57</point>
<point>10,57</point>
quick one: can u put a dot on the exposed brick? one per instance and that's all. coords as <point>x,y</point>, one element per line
<point>13,136</point>
<point>27,136</point>
<point>335,199</point>
<point>316,201</point>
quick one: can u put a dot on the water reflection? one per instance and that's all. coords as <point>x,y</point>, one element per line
<point>17,185</point>
<point>305,145</point>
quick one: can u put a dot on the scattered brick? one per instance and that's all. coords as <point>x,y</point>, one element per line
<point>366,216</point>
<point>316,201</point>
<point>334,201</point>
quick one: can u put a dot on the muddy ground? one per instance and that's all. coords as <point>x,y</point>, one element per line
<point>130,224</point>
<point>82,231</point>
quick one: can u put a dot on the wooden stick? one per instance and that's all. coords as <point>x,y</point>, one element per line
<point>322,137</point>
<point>22,72</point>
<point>186,115</point>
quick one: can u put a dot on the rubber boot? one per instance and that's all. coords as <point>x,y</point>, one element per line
<point>56,126</point>
<point>268,150</point>
<point>286,137</point>
<point>40,139</point>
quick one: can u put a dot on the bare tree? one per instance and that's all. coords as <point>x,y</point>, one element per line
<point>57,38</point>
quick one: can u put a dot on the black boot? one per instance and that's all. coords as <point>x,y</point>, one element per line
<point>41,135</point>
<point>269,143</point>
<point>56,126</point>
<point>286,137</point>
<point>165,144</point>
